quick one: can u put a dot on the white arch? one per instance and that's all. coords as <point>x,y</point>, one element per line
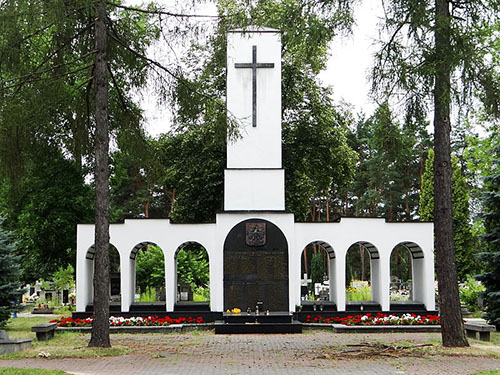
<point>376,273</point>
<point>175,263</point>
<point>331,266</point>
<point>131,281</point>
<point>86,289</point>
<point>417,257</point>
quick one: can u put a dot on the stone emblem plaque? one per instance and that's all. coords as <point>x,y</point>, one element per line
<point>255,234</point>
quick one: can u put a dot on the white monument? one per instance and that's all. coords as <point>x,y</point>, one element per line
<point>254,222</point>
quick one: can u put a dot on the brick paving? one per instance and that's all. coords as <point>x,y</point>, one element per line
<point>310,353</point>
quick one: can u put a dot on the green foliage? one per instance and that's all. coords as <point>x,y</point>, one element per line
<point>10,287</point>
<point>390,155</point>
<point>318,267</point>
<point>64,278</point>
<point>470,291</point>
<point>192,266</point>
<point>148,295</point>
<point>363,294</point>
<point>150,269</point>
<point>426,203</point>
<point>463,239</point>
<point>46,118</point>
<point>55,199</point>
<point>491,277</point>
<point>201,294</point>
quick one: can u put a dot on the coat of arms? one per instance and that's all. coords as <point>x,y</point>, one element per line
<point>255,234</point>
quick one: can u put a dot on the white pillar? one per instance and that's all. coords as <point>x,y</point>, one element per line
<point>170,279</point>
<point>429,298</point>
<point>339,265</point>
<point>217,278</point>
<point>125,282</point>
<point>331,279</point>
<point>133,278</point>
<point>380,280</point>
<point>294,276</point>
<point>84,282</point>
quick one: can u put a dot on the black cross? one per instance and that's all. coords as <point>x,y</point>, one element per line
<point>254,65</point>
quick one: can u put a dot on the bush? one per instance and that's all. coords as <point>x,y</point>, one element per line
<point>470,291</point>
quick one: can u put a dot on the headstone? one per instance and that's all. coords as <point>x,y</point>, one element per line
<point>3,335</point>
<point>8,346</point>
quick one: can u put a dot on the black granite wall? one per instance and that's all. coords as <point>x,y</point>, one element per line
<point>256,267</point>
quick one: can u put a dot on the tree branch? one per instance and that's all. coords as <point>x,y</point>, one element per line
<point>20,84</point>
<point>48,69</point>
<point>163,12</point>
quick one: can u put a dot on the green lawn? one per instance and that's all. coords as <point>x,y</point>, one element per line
<point>28,371</point>
<point>66,344</point>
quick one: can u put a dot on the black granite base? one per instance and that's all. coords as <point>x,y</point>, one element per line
<point>222,327</point>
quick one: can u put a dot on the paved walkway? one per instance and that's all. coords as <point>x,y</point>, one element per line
<point>316,352</point>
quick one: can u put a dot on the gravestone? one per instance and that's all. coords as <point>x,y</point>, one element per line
<point>256,267</point>
<point>8,345</point>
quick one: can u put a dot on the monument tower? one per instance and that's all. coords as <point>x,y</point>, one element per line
<point>254,178</point>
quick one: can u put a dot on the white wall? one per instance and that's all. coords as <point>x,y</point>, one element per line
<point>385,236</point>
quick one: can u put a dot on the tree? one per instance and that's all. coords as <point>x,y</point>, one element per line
<point>388,169</point>
<point>53,54</point>
<point>317,267</point>
<point>150,268</point>
<point>53,197</point>
<point>462,229</point>
<point>432,52</point>
<point>10,287</point>
<point>64,278</point>
<point>490,278</point>
<point>100,326</point>
<point>192,266</point>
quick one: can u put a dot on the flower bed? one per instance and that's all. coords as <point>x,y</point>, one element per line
<point>118,321</point>
<point>377,320</point>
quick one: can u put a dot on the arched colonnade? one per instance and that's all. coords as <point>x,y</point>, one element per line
<point>378,237</point>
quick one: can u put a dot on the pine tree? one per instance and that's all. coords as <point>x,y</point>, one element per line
<point>462,230</point>
<point>10,287</point>
<point>491,278</point>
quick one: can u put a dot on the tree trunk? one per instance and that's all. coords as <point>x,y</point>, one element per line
<point>100,327</point>
<point>452,328</point>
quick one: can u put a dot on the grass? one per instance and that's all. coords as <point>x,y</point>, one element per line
<point>363,294</point>
<point>28,371</point>
<point>492,372</point>
<point>63,345</point>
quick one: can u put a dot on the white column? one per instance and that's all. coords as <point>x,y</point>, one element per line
<point>217,279</point>
<point>380,279</point>
<point>84,283</point>
<point>133,278</point>
<point>125,282</point>
<point>170,279</point>
<point>339,286</point>
<point>294,278</point>
<point>428,280</point>
<point>332,281</point>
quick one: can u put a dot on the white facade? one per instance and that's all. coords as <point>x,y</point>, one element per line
<point>254,189</point>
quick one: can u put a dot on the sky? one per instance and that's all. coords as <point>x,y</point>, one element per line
<point>347,70</point>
